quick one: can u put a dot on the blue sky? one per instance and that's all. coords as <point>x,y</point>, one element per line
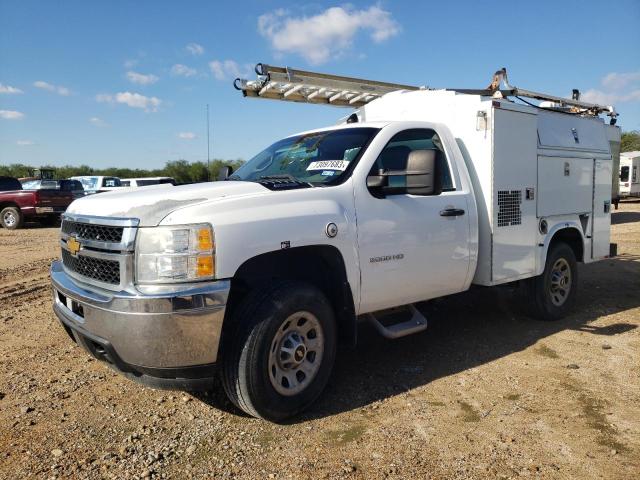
<point>123,83</point>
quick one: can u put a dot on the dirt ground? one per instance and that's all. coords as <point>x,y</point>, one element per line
<point>484,393</point>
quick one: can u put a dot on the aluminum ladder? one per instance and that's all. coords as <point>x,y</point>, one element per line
<point>288,84</point>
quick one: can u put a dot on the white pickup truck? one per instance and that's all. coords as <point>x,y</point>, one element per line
<point>418,195</point>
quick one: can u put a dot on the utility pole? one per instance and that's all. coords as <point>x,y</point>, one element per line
<point>208,158</point>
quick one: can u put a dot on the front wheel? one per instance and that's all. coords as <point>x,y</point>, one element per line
<point>280,356</point>
<point>551,295</point>
<point>11,218</point>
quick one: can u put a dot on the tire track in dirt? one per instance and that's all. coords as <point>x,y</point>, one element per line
<point>36,268</point>
<point>24,292</point>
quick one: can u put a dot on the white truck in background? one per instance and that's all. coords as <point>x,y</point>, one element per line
<point>629,174</point>
<point>418,194</point>
<point>97,183</point>
<point>146,181</point>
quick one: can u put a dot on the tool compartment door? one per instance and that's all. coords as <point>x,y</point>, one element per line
<point>514,191</point>
<point>601,235</point>
<point>565,185</point>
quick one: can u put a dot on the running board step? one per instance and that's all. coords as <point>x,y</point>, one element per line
<point>417,323</point>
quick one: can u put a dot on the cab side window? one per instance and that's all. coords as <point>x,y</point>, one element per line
<point>395,154</point>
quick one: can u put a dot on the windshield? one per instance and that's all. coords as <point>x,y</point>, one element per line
<point>31,185</point>
<point>89,183</point>
<point>112,182</point>
<point>317,158</point>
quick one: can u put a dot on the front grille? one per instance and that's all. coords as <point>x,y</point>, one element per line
<point>88,231</point>
<point>106,271</point>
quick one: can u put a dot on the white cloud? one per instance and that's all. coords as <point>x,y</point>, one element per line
<point>617,88</point>
<point>182,70</point>
<point>223,70</point>
<point>195,49</point>
<point>134,100</point>
<point>329,34</point>
<point>59,89</point>
<point>98,122</point>
<point>130,63</point>
<point>25,143</point>
<point>9,90</point>
<point>141,79</point>
<point>187,135</point>
<point>11,115</point>
<point>616,80</point>
<point>608,98</point>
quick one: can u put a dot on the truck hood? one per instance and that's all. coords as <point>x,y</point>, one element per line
<point>151,204</point>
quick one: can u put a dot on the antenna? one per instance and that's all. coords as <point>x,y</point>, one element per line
<point>208,166</point>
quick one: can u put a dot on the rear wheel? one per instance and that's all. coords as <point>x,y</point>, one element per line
<point>281,354</point>
<point>11,218</point>
<point>552,294</point>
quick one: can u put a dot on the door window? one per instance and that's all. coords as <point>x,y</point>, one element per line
<point>394,156</point>
<point>624,174</point>
<point>634,175</point>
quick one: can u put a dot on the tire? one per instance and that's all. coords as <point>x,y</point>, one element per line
<point>551,295</point>
<point>281,351</point>
<point>11,218</point>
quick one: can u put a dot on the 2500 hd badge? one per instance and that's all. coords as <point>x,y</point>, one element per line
<point>386,258</point>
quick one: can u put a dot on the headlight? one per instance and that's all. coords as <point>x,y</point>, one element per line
<point>175,254</point>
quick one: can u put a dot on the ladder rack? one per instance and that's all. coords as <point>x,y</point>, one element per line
<point>287,84</point>
<point>284,83</point>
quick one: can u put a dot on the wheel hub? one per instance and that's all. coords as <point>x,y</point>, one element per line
<point>9,219</point>
<point>560,285</point>
<point>296,353</point>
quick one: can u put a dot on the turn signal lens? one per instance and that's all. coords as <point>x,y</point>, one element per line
<point>204,267</point>
<point>205,242</point>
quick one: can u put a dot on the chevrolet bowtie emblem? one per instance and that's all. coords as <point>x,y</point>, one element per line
<point>73,245</point>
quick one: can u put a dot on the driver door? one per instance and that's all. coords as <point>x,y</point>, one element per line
<point>412,247</point>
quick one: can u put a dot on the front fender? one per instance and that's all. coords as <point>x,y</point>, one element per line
<point>246,227</point>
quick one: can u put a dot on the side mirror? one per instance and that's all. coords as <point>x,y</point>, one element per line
<point>419,178</point>
<point>421,167</point>
<point>377,181</point>
<point>225,172</point>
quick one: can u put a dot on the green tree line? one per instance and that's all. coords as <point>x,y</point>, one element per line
<point>181,170</point>
<point>630,141</point>
<point>186,172</point>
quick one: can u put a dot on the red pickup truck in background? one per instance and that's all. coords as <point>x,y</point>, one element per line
<point>18,205</point>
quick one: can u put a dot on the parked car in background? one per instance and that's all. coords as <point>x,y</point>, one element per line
<point>143,182</point>
<point>98,183</point>
<point>630,174</point>
<point>18,204</point>
<point>73,186</point>
<point>37,184</point>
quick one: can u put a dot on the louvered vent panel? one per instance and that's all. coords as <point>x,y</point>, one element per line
<point>509,212</point>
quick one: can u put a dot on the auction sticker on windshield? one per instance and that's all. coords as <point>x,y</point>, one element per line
<point>340,165</point>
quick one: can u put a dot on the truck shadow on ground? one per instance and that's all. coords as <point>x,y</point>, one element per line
<point>624,217</point>
<point>465,331</point>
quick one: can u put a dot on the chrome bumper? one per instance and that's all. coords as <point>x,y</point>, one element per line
<point>144,332</point>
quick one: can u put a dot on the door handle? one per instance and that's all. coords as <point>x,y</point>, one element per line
<point>451,212</point>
